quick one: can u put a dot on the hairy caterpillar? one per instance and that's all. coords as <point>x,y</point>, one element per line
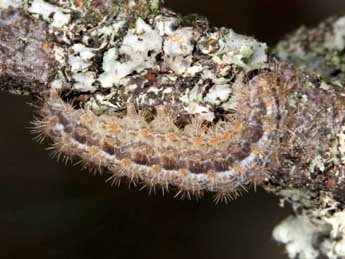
<point>222,158</point>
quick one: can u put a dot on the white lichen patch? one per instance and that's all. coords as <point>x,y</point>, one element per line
<point>178,48</point>
<point>325,86</point>
<point>298,234</point>
<point>55,15</point>
<point>4,4</point>
<point>140,46</point>
<point>84,81</point>
<point>165,24</point>
<point>193,104</point>
<point>337,42</point>
<point>80,59</point>
<point>312,232</point>
<point>218,94</point>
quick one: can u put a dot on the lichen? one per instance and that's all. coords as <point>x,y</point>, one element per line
<point>312,233</point>
<point>7,3</point>
<point>140,47</point>
<point>318,50</point>
<point>49,12</point>
<point>124,50</point>
<point>299,235</point>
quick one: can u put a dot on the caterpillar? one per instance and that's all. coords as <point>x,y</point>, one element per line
<point>221,158</point>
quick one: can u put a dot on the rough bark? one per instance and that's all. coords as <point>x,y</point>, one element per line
<point>25,55</point>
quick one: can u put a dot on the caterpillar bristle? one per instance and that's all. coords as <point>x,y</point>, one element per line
<point>114,180</point>
<point>183,194</point>
<point>224,197</point>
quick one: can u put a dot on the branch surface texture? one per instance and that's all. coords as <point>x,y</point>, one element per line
<point>170,103</point>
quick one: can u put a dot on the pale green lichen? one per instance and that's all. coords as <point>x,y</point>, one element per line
<point>241,50</point>
<point>318,50</point>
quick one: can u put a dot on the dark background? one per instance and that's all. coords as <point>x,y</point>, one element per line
<point>48,210</point>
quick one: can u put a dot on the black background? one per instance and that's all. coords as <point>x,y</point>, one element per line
<point>48,210</point>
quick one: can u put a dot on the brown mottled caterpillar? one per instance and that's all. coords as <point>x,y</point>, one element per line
<point>221,158</point>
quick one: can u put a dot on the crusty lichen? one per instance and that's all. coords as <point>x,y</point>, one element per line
<point>4,4</point>
<point>139,46</point>
<point>57,16</point>
<point>299,236</point>
<point>122,54</point>
<point>319,51</point>
<point>313,231</point>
